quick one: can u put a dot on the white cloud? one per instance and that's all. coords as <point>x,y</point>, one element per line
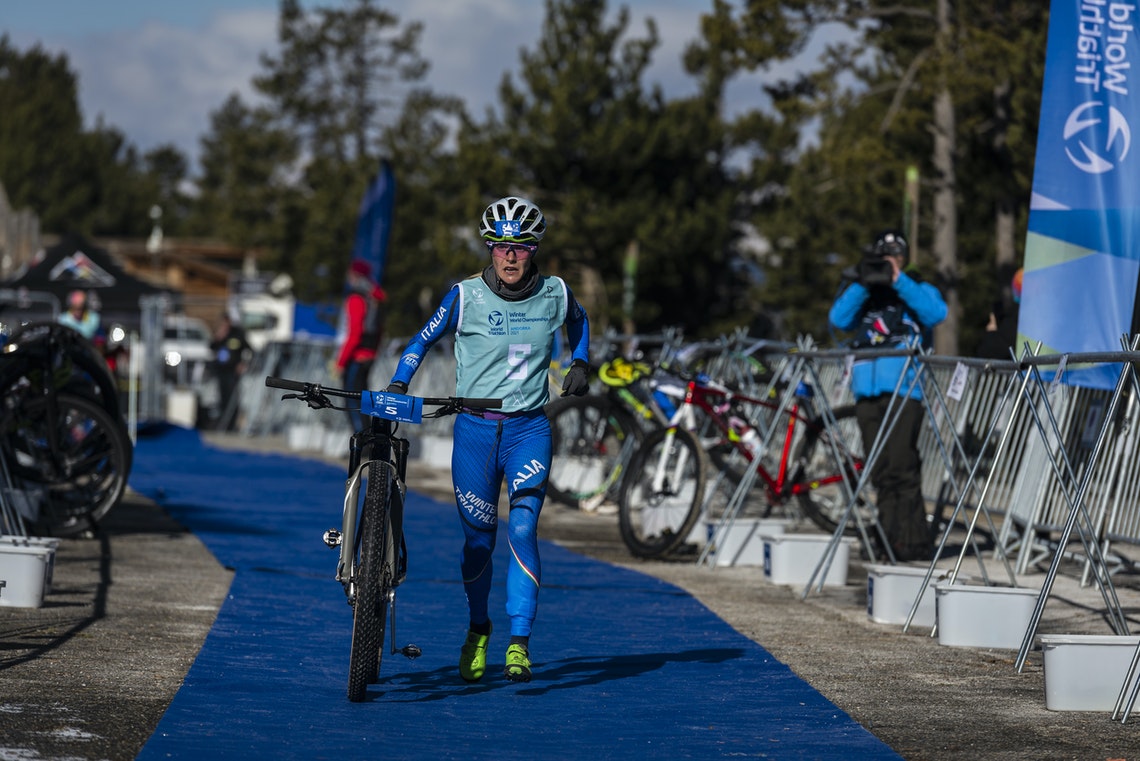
<point>156,72</point>
<point>159,83</point>
<point>470,45</point>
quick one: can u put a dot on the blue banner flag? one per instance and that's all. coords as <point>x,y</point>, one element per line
<point>374,222</point>
<point>1081,252</point>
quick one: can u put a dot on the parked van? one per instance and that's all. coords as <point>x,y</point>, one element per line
<point>188,359</point>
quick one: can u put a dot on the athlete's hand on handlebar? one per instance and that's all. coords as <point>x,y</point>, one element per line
<point>397,388</point>
<point>577,381</point>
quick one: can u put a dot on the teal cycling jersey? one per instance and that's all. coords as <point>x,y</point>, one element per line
<point>502,348</point>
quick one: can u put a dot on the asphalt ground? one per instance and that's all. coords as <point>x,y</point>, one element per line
<point>90,674</point>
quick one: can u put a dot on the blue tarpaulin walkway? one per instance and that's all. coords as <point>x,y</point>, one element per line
<point>626,666</point>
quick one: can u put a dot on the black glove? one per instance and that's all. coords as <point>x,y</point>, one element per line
<point>396,387</point>
<point>577,381</point>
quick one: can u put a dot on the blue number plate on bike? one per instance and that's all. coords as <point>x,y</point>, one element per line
<point>399,407</point>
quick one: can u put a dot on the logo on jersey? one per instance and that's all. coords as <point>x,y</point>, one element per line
<point>529,471</point>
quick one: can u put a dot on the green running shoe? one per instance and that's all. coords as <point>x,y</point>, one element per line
<point>473,656</point>
<point>518,664</point>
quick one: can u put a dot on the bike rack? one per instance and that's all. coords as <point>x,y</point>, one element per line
<point>790,369</point>
<point>1026,389</point>
<point>933,417</point>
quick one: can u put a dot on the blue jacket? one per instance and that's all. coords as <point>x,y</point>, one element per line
<point>889,321</point>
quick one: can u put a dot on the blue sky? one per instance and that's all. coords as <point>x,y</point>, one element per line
<point>156,69</point>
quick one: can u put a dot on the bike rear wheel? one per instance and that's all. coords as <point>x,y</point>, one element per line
<point>592,440</point>
<point>817,475</point>
<point>662,493</point>
<point>80,477</point>
<point>373,578</point>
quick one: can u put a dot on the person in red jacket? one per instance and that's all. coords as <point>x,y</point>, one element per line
<point>363,331</point>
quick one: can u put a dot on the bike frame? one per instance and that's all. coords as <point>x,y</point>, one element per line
<point>648,413</point>
<point>714,401</point>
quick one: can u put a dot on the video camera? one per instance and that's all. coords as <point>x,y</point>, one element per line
<point>874,270</point>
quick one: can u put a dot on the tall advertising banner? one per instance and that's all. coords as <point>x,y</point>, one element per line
<point>1082,251</point>
<point>374,222</point>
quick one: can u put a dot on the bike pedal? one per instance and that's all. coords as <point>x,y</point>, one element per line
<point>411,652</point>
<point>332,538</point>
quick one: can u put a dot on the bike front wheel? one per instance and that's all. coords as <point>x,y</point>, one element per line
<point>662,495</point>
<point>591,441</point>
<point>373,580</point>
<point>72,454</point>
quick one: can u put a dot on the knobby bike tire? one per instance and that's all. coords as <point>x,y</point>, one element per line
<point>656,522</point>
<point>588,434</point>
<point>372,582</point>
<point>822,497</point>
<point>84,477</point>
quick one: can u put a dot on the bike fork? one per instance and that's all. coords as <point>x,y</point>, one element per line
<point>668,474</point>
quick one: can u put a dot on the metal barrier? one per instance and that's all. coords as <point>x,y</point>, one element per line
<point>970,421</point>
<point>19,306</point>
<point>966,420</point>
<point>964,425</point>
<point>262,414</point>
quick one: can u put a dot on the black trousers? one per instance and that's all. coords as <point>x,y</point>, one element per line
<point>227,391</point>
<point>897,475</point>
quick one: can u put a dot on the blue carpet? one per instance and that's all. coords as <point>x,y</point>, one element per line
<point>626,666</point>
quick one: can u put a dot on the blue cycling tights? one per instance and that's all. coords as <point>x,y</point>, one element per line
<point>483,453</point>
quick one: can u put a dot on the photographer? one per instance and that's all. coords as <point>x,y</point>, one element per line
<point>887,306</point>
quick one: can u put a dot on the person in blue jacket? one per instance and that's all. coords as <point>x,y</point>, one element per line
<point>504,321</point>
<point>888,307</point>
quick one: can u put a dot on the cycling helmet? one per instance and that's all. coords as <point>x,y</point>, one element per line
<point>512,219</point>
<point>891,243</point>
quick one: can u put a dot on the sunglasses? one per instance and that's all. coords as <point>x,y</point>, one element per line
<point>520,250</point>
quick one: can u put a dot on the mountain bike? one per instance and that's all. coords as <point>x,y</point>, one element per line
<point>373,557</point>
<point>594,437</point>
<point>65,448</point>
<point>668,487</point>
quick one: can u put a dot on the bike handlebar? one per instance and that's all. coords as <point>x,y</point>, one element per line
<point>313,391</point>
<point>285,383</point>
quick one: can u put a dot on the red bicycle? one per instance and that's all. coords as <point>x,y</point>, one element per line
<point>668,488</point>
